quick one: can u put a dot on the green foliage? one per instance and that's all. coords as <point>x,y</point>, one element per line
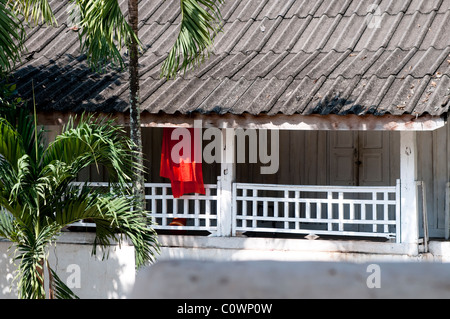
<point>38,200</point>
<point>104,31</point>
<point>11,37</point>
<point>199,25</point>
<point>35,11</point>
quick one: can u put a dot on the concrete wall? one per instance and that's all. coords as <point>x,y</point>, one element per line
<point>292,280</point>
<point>233,261</point>
<point>89,276</point>
<point>269,268</point>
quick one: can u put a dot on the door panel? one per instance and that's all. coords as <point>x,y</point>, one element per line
<point>359,158</point>
<point>342,169</point>
<point>373,158</point>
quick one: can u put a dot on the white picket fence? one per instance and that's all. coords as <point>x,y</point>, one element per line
<point>319,210</point>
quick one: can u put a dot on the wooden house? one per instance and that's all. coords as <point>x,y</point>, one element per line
<point>353,94</point>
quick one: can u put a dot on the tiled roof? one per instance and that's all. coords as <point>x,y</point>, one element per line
<point>273,56</point>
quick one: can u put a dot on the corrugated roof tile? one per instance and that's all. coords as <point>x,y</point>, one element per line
<point>347,34</point>
<point>356,64</point>
<point>316,35</point>
<point>379,32</point>
<point>333,8</point>
<point>445,6</point>
<point>247,10</point>
<point>297,96</point>
<point>257,35</point>
<point>391,63</point>
<point>287,35</point>
<point>438,35</point>
<point>304,8</point>
<point>411,32</point>
<point>292,65</point>
<point>369,93</point>
<point>224,96</point>
<point>259,97</point>
<point>435,99</point>
<point>333,95</point>
<point>274,9</point>
<point>423,6</point>
<point>260,66</point>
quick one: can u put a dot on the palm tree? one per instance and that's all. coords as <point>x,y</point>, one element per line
<point>105,32</point>
<point>135,119</point>
<point>38,199</point>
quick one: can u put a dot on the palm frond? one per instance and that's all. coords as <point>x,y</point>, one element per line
<point>18,115</point>
<point>60,289</point>
<point>11,37</point>
<point>92,142</point>
<point>7,225</point>
<point>134,225</point>
<point>11,144</point>
<point>32,256</point>
<point>115,217</point>
<point>104,32</point>
<point>198,28</point>
<point>35,11</point>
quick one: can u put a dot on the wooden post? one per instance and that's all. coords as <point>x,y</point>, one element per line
<point>409,207</point>
<point>227,178</point>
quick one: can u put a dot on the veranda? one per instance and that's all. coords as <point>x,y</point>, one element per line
<point>347,183</point>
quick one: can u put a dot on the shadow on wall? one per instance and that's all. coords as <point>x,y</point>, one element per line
<point>88,276</point>
<point>7,288</point>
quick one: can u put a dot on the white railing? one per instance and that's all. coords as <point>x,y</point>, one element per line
<point>319,210</point>
<point>199,212</point>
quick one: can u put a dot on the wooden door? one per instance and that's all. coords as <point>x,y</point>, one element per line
<point>373,159</point>
<point>359,158</point>
<point>343,148</point>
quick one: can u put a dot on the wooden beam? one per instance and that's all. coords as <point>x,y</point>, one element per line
<point>282,122</point>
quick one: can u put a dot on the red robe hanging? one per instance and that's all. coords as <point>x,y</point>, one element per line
<point>185,174</point>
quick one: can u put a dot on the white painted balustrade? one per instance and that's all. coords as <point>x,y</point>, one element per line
<point>318,210</point>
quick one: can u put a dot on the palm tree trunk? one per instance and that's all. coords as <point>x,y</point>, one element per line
<point>51,291</point>
<point>135,121</point>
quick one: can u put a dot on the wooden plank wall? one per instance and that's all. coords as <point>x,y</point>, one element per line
<point>433,168</point>
<point>302,160</point>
